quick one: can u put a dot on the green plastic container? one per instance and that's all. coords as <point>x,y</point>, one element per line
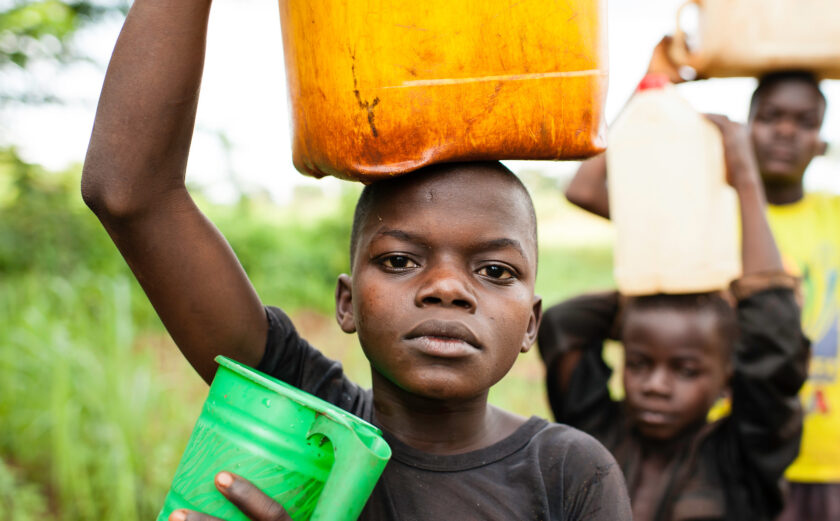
<point>317,460</point>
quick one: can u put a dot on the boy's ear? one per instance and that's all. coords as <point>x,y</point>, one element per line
<point>344,304</point>
<point>823,148</point>
<point>533,325</point>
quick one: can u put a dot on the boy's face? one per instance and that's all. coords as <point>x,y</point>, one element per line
<point>675,368</point>
<point>442,291</point>
<point>785,130</point>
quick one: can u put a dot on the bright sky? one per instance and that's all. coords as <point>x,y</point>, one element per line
<point>243,131</point>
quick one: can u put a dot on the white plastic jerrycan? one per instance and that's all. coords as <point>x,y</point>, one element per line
<point>676,217</point>
<point>753,37</point>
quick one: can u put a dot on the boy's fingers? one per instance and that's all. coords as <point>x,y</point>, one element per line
<point>249,499</point>
<point>188,515</point>
<point>720,120</point>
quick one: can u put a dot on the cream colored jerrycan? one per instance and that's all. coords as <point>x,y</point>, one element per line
<point>753,37</point>
<point>382,87</point>
<point>676,218</point>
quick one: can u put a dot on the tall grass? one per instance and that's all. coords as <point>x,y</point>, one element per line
<point>83,404</point>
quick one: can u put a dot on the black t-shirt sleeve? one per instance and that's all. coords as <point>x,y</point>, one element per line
<point>770,367</point>
<point>593,487</point>
<point>577,329</point>
<point>290,358</point>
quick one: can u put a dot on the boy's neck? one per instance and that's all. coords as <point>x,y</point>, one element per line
<point>439,426</point>
<point>783,193</point>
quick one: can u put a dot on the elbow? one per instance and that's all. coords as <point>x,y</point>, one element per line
<point>577,197</point>
<point>588,200</point>
<point>108,198</point>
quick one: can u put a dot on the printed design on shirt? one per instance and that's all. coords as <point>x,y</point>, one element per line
<point>821,320</point>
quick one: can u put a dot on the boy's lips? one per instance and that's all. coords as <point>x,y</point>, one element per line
<point>443,338</point>
<point>784,153</point>
<point>651,417</point>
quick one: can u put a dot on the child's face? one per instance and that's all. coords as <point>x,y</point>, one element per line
<point>785,130</point>
<point>675,368</point>
<point>442,291</point>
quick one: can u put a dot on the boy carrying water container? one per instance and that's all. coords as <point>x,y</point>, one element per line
<point>441,294</point>
<point>786,114</point>
<point>681,354</point>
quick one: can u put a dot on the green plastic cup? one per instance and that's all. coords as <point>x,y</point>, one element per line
<point>317,460</point>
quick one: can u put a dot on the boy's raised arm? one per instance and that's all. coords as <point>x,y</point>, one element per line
<point>588,187</point>
<point>759,253</point>
<point>770,361</point>
<point>133,179</point>
<point>570,341</point>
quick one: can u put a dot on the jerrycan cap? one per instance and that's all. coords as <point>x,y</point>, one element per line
<point>655,80</point>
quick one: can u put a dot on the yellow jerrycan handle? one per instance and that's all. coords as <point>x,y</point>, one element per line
<point>360,458</point>
<point>678,50</point>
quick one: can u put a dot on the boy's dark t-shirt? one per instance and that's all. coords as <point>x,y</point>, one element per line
<point>543,471</point>
<point>729,469</point>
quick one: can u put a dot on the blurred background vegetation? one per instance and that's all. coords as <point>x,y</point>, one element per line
<point>96,403</point>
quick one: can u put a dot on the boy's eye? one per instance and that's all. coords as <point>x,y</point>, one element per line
<point>688,371</point>
<point>809,122</point>
<point>398,262</point>
<point>634,364</point>
<point>766,116</point>
<point>494,271</point>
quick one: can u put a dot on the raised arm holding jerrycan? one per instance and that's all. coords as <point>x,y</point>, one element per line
<point>441,312</point>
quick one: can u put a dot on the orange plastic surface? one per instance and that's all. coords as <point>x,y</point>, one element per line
<point>382,87</point>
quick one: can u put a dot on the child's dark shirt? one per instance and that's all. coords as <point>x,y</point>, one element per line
<point>542,471</point>
<point>729,469</point>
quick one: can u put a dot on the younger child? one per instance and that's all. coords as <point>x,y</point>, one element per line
<point>441,295</point>
<point>683,352</point>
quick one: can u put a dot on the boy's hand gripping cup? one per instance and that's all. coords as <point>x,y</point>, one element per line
<point>317,460</point>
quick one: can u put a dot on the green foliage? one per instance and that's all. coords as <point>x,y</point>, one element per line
<point>88,414</point>
<point>292,258</point>
<point>19,501</point>
<point>43,28</point>
<point>44,226</point>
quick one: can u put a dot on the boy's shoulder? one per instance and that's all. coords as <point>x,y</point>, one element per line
<point>823,198</point>
<point>818,212</point>
<point>542,471</point>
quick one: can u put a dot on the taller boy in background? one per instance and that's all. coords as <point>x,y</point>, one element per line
<point>441,295</point>
<point>785,116</point>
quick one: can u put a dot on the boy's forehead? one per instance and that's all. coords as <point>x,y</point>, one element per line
<point>699,327</point>
<point>456,196</point>
<point>793,94</point>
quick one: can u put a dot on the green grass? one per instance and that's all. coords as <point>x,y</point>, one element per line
<point>97,404</point>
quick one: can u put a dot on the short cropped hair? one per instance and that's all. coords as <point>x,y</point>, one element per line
<point>770,80</point>
<point>714,303</point>
<point>375,191</point>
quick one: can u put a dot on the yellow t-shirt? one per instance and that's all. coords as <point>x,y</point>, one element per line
<point>808,235</point>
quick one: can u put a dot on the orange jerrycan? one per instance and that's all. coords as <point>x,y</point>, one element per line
<point>753,37</point>
<point>382,87</point>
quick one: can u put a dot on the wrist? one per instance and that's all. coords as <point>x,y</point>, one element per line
<point>748,186</point>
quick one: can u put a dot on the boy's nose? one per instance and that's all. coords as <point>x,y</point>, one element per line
<point>445,286</point>
<point>786,127</point>
<point>658,382</point>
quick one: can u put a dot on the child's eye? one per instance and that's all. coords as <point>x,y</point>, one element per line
<point>398,262</point>
<point>633,364</point>
<point>688,372</point>
<point>495,271</point>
